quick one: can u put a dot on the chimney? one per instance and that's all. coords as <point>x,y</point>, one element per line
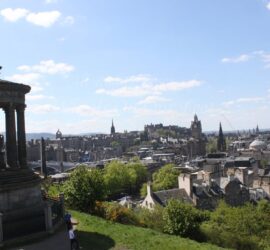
<point>149,188</point>
<point>185,181</point>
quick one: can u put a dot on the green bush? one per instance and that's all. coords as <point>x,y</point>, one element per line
<point>113,211</point>
<point>182,219</point>
<point>151,218</point>
<point>243,228</point>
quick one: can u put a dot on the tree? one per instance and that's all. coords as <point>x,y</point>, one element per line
<point>140,172</point>
<point>211,146</point>
<point>117,178</point>
<point>245,227</point>
<point>182,219</point>
<point>166,178</point>
<point>83,188</point>
<point>120,177</point>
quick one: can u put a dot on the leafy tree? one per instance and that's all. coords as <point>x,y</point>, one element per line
<point>117,177</point>
<point>211,146</point>
<point>166,178</point>
<point>83,188</point>
<point>182,219</point>
<point>140,172</point>
<point>245,227</point>
<point>120,177</point>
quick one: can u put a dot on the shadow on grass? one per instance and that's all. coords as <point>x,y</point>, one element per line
<point>94,241</point>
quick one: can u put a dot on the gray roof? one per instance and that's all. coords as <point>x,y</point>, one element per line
<point>162,197</point>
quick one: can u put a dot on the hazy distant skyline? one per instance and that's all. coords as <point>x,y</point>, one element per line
<point>138,62</point>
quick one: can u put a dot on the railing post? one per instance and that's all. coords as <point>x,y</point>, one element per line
<point>48,217</point>
<point>1,230</point>
<point>62,202</point>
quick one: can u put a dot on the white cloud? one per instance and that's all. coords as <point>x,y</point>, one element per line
<point>68,20</point>
<point>44,19</point>
<point>153,99</point>
<point>130,79</point>
<point>149,89</point>
<point>13,15</point>
<point>51,1</point>
<point>48,67</point>
<point>268,5</point>
<point>43,109</point>
<point>38,97</point>
<point>86,110</point>
<point>30,78</point>
<point>177,86</point>
<point>244,100</point>
<point>239,59</point>
<point>127,91</point>
<point>260,54</point>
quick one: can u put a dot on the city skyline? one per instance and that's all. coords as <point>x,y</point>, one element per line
<point>138,63</point>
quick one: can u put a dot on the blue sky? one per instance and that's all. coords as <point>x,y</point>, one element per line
<point>138,62</point>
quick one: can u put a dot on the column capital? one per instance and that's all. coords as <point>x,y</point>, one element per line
<point>20,107</point>
<point>8,106</point>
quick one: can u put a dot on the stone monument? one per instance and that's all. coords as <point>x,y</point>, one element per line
<point>21,204</point>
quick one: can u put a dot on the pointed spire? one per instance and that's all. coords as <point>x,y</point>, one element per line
<point>257,129</point>
<point>195,118</point>
<point>112,128</point>
<point>221,142</point>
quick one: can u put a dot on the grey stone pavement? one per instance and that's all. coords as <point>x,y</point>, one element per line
<point>57,241</point>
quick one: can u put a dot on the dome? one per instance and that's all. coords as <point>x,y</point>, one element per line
<point>258,145</point>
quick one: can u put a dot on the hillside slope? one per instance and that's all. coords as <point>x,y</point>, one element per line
<point>96,233</point>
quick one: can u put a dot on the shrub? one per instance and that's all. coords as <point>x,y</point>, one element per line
<point>151,218</point>
<point>115,212</point>
<point>245,227</point>
<point>182,219</point>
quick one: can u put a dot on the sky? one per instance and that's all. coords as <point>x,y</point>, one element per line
<point>138,62</point>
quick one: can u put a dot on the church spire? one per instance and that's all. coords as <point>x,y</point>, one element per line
<point>112,128</point>
<point>221,142</point>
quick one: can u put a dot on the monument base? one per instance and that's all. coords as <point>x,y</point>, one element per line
<point>21,203</point>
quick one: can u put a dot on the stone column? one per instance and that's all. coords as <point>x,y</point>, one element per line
<point>1,230</point>
<point>43,158</point>
<point>48,217</point>
<point>11,145</point>
<point>21,136</point>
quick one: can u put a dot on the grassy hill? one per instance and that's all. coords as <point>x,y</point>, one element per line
<point>97,233</point>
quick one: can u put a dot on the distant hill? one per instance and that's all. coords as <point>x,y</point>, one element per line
<point>45,135</point>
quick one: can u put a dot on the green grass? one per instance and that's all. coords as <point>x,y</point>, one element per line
<point>97,233</point>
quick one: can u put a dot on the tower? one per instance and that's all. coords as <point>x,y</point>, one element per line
<point>257,130</point>
<point>112,129</point>
<point>221,142</point>
<point>58,134</point>
<point>196,128</point>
